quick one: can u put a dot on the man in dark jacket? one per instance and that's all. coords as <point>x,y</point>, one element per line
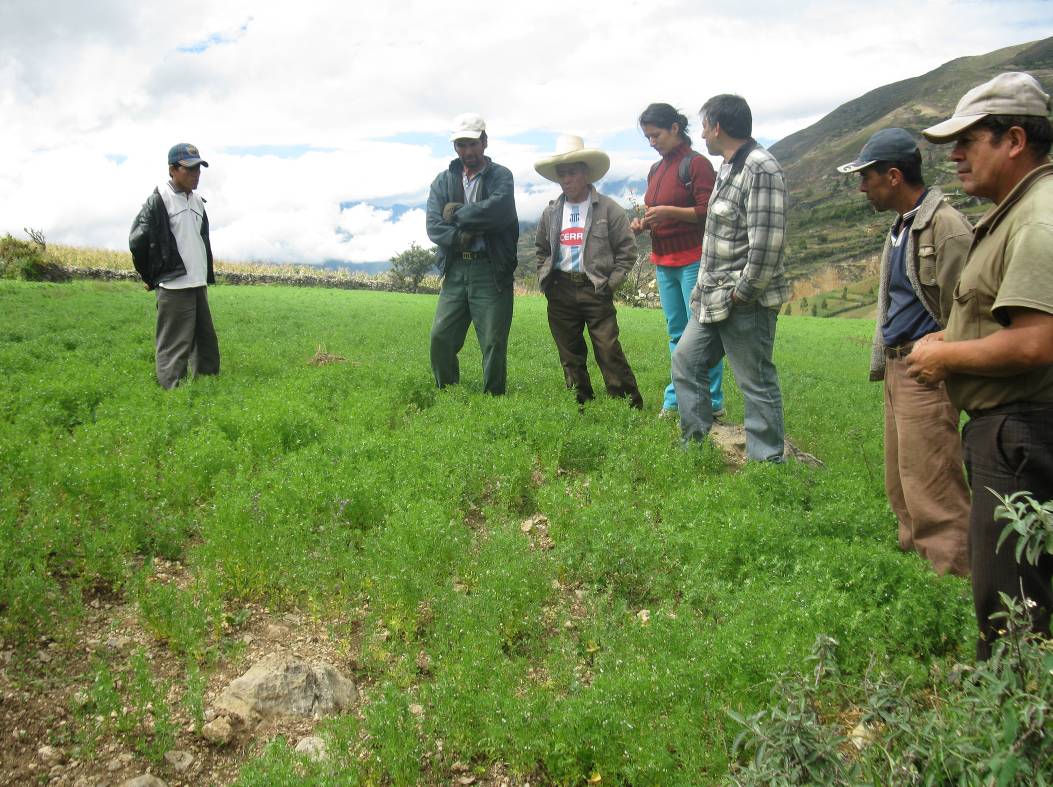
<point>171,251</point>
<point>472,219</point>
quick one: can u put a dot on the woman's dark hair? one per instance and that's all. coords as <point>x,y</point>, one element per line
<point>664,116</point>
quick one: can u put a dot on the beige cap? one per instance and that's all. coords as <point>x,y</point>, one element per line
<point>1011,93</point>
<point>467,126</point>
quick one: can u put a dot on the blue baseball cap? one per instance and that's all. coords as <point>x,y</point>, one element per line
<point>185,155</point>
<point>889,144</point>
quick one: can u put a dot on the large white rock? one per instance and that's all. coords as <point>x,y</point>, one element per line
<point>280,685</point>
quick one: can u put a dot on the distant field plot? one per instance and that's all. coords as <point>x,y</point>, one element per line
<point>517,587</point>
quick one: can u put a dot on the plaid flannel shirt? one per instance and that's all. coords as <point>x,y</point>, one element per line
<point>745,231</point>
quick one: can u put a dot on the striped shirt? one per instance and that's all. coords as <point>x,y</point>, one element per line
<point>745,232</point>
<point>572,235</point>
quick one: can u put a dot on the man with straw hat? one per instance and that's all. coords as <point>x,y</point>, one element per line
<point>996,354</point>
<point>584,251</point>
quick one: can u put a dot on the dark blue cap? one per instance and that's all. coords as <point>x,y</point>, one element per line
<point>889,144</point>
<point>185,155</point>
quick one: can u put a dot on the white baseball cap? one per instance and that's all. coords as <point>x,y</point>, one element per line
<point>467,126</point>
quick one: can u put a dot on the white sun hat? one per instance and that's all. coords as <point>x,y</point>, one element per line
<point>571,149</point>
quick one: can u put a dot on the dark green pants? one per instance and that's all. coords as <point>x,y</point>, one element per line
<point>470,294</point>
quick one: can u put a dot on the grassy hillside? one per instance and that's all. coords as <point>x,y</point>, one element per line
<point>811,154</point>
<point>655,590</point>
<point>831,226</point>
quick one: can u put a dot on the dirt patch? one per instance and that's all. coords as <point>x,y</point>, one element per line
<point>830,278</point>
<point>536,529</point>
<point>323,358</point>
<point>50,733</point>
<point>731,439</point>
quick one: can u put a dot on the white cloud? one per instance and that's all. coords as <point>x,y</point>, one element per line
<point>85,85</point>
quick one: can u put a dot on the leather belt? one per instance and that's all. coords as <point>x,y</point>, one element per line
<point>900,351</point>
<point>574,276</point>
<point>468,256</point>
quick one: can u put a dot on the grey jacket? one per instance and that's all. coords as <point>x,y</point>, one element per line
<point>937,248</point>
<point>609,248</point>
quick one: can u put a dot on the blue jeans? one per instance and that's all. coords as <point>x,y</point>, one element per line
<point>747,337</point>
<point>674,288</point>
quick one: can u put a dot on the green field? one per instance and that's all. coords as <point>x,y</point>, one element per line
<point>670,589</point>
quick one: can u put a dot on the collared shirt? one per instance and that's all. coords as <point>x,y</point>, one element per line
<point>471,190</point>
<point>1010,265</point>
<point>745,233</point>
<point>470,182</point>
<point>185,215</point>
<point>907,319</point>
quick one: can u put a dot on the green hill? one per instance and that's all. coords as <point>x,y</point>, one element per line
<point>833,230</point>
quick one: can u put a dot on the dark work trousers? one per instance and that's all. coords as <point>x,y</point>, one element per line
<point>470,294</point>
<point>1007,449</point>
<point>573,304</point>
<point>185,335</point>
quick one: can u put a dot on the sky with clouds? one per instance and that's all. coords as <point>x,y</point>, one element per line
<point>324,120</point>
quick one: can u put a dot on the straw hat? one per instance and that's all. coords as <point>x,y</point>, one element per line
<point>569,150</point>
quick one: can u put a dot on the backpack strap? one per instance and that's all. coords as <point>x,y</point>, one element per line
<point>684,172</point>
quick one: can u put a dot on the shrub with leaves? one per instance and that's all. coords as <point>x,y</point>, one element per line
<point>28,261</point>
<point>790,742</point>
<point>989,724</point>
<point>1031,521</point>
<point>410,267</point>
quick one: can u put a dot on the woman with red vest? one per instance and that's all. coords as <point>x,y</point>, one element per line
<point>678,189</point>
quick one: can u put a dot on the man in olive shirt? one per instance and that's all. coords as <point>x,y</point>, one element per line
<point>996,354</point>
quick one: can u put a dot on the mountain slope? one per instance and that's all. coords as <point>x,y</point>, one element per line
<point>831,225</point>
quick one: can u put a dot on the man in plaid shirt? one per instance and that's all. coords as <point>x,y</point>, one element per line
<point>741,284</point>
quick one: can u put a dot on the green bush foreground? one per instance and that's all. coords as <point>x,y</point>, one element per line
<point>673,592</point>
